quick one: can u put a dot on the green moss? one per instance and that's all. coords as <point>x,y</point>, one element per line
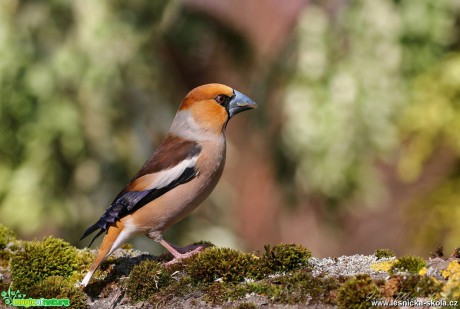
<point>357,292</point>
<point>247,305</point>
<point>222,269</point>
<point>409,263</point>
<point>58,287</point>
<point>419,286</point>
<point>301,287</point>
<point>219,263</point>
<point>106,264</point>
<point>384,253</point>
<point>6,236</point>
<point>39,260</point>
<point>145,279</point>
<point>295,288</point>
<point>127,246</point>
<point>16,245</point>
<point>4,282</point>
<point>280,258</point>
<point>179,287</point>
<point>84,259</point>
<point>5,257</point>
<point>263,288</point>
<point>218,292</point>
<point>285,257</point>
<point>205,243</point>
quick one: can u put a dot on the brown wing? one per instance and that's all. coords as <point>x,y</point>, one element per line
<point>171,165</point>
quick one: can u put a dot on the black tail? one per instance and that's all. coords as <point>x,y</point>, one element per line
<point>91,230</point>
<point>97,235</point>
<point>112,214</point>
<point>109,217</point>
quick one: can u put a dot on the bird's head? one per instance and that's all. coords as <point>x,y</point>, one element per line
<point>209,107</point>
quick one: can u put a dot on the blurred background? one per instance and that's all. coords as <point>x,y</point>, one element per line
<point>355,145</point>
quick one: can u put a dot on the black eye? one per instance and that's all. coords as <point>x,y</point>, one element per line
<point>221,98</point>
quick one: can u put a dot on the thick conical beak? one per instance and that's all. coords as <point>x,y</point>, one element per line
<point>239,103</point>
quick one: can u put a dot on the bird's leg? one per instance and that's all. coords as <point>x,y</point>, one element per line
<point>180,253</point>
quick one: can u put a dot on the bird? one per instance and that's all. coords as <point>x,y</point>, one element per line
<point>178,177</point>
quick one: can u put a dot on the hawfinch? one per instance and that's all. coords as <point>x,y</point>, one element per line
<point>179,175</point>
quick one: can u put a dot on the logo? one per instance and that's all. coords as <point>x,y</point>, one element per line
<point>15,298</point>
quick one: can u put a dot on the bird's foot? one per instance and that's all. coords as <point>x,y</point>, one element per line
<point>185,253</point>
<point>181,253</point>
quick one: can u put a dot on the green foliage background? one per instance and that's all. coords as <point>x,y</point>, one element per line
<point>358,75</point>
<point>86,89</point>
<point>72,77</point>
<point>381,82</point>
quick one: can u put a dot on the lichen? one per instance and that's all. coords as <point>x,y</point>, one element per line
<point>383,266</point>
<point>451,290</point>
<point>39,260</point>
<point>384,253</point>
<point>145,279</point>
<point>6,236</point>
<point>408,264</point>
<point>452,269</point>
<point>358,292</point>
<point>58,287</point>
<point>423,271</point>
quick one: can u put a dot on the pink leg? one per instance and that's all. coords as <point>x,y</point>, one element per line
<point>181,253</point>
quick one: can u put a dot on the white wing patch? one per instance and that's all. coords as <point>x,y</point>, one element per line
<point>165,177</point>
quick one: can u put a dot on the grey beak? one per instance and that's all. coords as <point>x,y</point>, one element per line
<point>240,103</point>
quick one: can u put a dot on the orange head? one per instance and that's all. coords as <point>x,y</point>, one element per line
<point>209,107</point>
